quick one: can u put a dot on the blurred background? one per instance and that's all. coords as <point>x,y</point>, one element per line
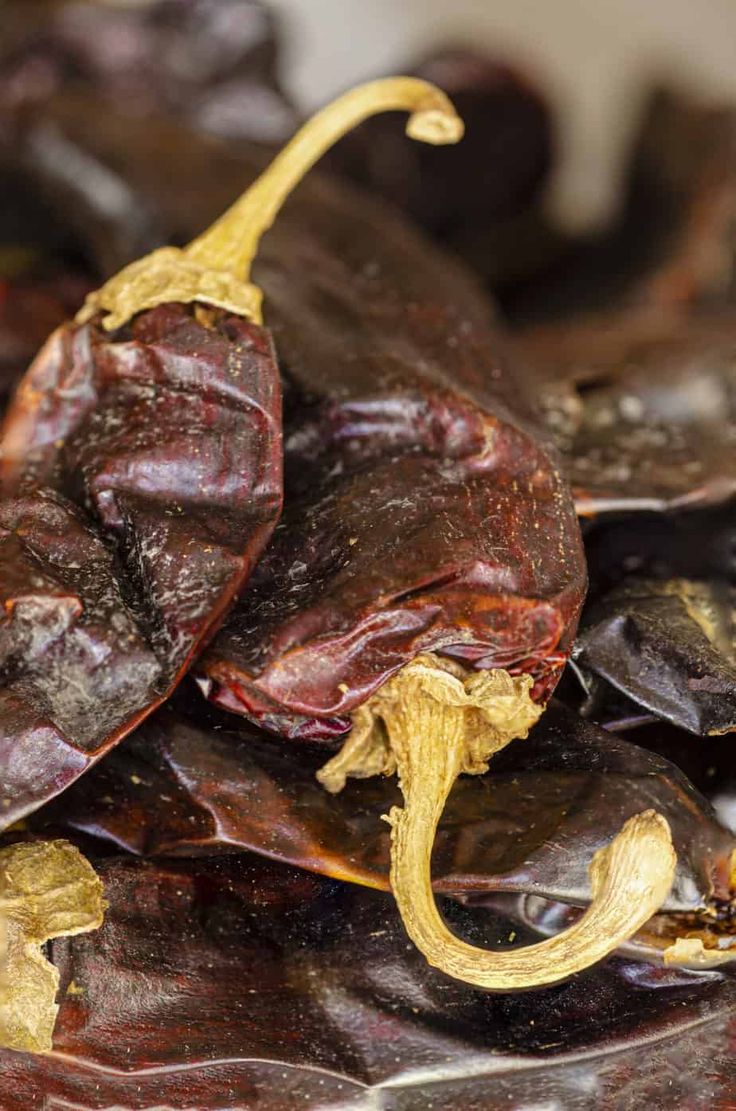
<point>595,61</point>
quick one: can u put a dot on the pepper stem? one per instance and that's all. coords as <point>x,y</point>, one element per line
<point>215,268</point>
<point>232,242</point>
<point>431,723</point>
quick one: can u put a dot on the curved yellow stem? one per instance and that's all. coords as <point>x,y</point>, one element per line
<point>431,724</point>
<point>232,242</point>
<point>215,268</point>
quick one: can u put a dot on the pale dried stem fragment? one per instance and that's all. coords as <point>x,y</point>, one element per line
<point>690,952</point>
<point>215,268</point>
<point>431,722</point>
<point>47,890</point>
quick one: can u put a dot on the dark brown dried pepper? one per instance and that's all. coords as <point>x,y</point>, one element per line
<point>193,781</point>
<point>670,647</point>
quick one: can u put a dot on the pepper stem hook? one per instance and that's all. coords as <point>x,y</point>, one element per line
<point>215,268</point>
<point>431,722</point>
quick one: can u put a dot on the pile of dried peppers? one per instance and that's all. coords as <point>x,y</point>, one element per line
<point>314,755</point>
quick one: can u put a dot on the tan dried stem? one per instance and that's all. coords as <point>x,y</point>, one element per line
<point>431,722</point>
<point>47,890</point>
<point>215,268</point>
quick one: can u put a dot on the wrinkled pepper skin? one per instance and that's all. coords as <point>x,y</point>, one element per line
<point>642,407</point>
<point>423,513</point>
<point>141,479</point>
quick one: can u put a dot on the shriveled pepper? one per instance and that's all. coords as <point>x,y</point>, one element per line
<point>423,587</point>
<point>141,467</point>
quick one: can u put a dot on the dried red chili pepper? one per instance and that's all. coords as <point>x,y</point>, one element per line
<point>142,477</point>
<point>243,983</point>
<point>427,573</point>
<point>642,408</point>
<point>213,64</point>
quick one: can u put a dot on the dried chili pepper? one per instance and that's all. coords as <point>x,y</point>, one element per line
<point>241,983</point>
<point>213,64</point>
<point>142,477</point>
<point>427,574</point>
<point>642,408</point>
<point>669,646</point>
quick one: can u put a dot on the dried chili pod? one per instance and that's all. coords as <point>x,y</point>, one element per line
<point>142,476</point>
<point>670,246</point>
<point>424,583</point>
<point>668,646</point>
<point>212,63</point>
<point>240,983</point>
<point>193,782</point>
<point>642,408</point>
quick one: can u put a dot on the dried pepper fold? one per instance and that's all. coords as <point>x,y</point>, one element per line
<point>141,465</point>
<point>642,407</point>
<point>670,647</point>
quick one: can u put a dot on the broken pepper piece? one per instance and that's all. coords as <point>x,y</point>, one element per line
<point>670,647</point>
<point>47,890</point>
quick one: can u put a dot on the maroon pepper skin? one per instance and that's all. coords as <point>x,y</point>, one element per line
<point>424,513</point>
<point>142,478</point>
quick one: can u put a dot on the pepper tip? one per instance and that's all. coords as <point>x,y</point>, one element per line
<point>435,126</point>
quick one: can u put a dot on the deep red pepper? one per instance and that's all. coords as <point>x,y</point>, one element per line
<point>423,512</point>
<point>142,477</point>
<point>427,574</point>
<point>240,983</point>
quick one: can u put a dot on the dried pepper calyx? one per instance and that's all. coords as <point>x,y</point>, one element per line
<point>47,890</point>
<point>430,723</point>
<point>214,269</point>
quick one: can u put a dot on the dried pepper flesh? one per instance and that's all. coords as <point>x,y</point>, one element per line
<point>422,511</point>
<point>142,476</point>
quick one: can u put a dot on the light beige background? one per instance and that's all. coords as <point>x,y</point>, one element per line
<point>594,58</point>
